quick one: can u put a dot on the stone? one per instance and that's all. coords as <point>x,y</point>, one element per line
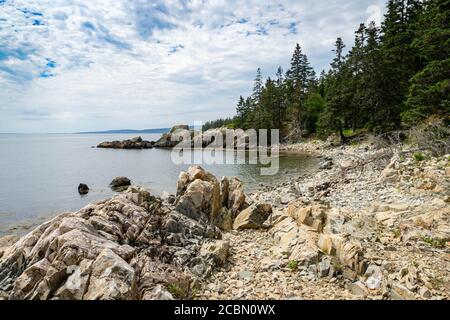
<point>374,277</point>
<point>400,292</point>
<point>112,278</point>
<point>158,293</point>
<point>252,217</point>
<point>119,248</point>
<point>236,196</point>
<point>216,251</point>
<point>296,243</point>
<point>326,165</point>
<point>76,284</point>
<point>83,189</point>
<point>224,191</point>
<point>312,215</point>
<point>134,143</point>
<point>225,219</point>
<point>6,242</point>
<point>425,293</point>
<point>120,182</point>
<point>199,196</point>
<point>358,289</point>
<point>324,267</point>
<point>172,139</point>
<point>245,275</point>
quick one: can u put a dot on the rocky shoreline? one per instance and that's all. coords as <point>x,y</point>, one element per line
<point>373,223</point>
<point>213,138</point>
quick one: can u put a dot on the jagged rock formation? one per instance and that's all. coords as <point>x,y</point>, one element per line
<point>168,140</point>
<point>133,246</point>
<point>201,196</point>
<point>135,143</point>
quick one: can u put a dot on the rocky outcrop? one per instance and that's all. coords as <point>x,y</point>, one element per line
<point>135,143</point>
<point>120,183</point>
<point>172,138</point>
<point>6,242</point>
<point>132,246</point>
<point>253,217</point>
<point>213,138</point>
<point>201,197</point>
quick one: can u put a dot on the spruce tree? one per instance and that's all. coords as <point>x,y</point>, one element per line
<point>429,91</point>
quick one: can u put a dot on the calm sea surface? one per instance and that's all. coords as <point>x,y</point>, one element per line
<point>40,174</point>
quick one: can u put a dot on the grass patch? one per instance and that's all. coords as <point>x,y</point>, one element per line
<point>179,290</point>
<point>349,133</point>
<point>434,242</point>
<point>418,156</point>
<point>293,265</point>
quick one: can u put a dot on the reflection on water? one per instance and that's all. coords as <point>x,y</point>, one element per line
<point>40,173</point>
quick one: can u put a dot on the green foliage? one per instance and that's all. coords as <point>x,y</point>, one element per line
<point>293,265</point>
<point>219,123</point>
<point>434,242</point>
<point>180,289</point>
<point>418,156</point>
<point>393,76</point>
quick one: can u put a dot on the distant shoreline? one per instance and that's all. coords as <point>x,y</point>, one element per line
<point>126,131</point>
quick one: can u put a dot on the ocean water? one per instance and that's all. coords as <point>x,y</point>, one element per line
<point>40,173</point>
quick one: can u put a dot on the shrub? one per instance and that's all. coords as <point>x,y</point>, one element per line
<point>293,265</point>
<point>418,156</point>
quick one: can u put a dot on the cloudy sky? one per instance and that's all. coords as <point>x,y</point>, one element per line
<point>82,65</point>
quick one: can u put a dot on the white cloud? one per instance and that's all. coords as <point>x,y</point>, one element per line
<point>71,65</point>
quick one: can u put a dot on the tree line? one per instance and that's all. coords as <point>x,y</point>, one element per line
<point>394,76</point>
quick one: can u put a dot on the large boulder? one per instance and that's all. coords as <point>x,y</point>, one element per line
<point>83,189</point>
<point>172,138</point>
<point>120,183</point>
<point>201,196</point>
<point>310,215</point>
<point>236,196</point>
<point>112,278</point>
<point>198,194</point>
<point>295,242</point>
<point>253,217</point>
<point>216,251</point>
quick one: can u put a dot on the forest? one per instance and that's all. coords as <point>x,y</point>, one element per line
<point>393,77</point>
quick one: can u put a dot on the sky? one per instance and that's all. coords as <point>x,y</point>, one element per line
<point>82,65</point>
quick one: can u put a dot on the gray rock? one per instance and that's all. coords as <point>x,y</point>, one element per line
<point>326,165</point>
<point>324,267</point>
<point>245,275</point>
<point>83,189</point>
<point>374,277</point>
<point>253,217</point>
<point>120,182</point>
<point>358,289</point>
<point>217,251</point>
<point>119,248</point>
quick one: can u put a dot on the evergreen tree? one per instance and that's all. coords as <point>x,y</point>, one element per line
<point>429,92</point>
<point>399,58</point>
<point>299,78</point>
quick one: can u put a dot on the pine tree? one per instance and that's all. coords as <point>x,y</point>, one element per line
<point>339,57</point>
<point>241,111</point>
<point>338,97</point>
<point>280,105</point>
<point>256,118</point>
<point>299,78</point>
<point>429,92</point>
<point>399,58</point>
